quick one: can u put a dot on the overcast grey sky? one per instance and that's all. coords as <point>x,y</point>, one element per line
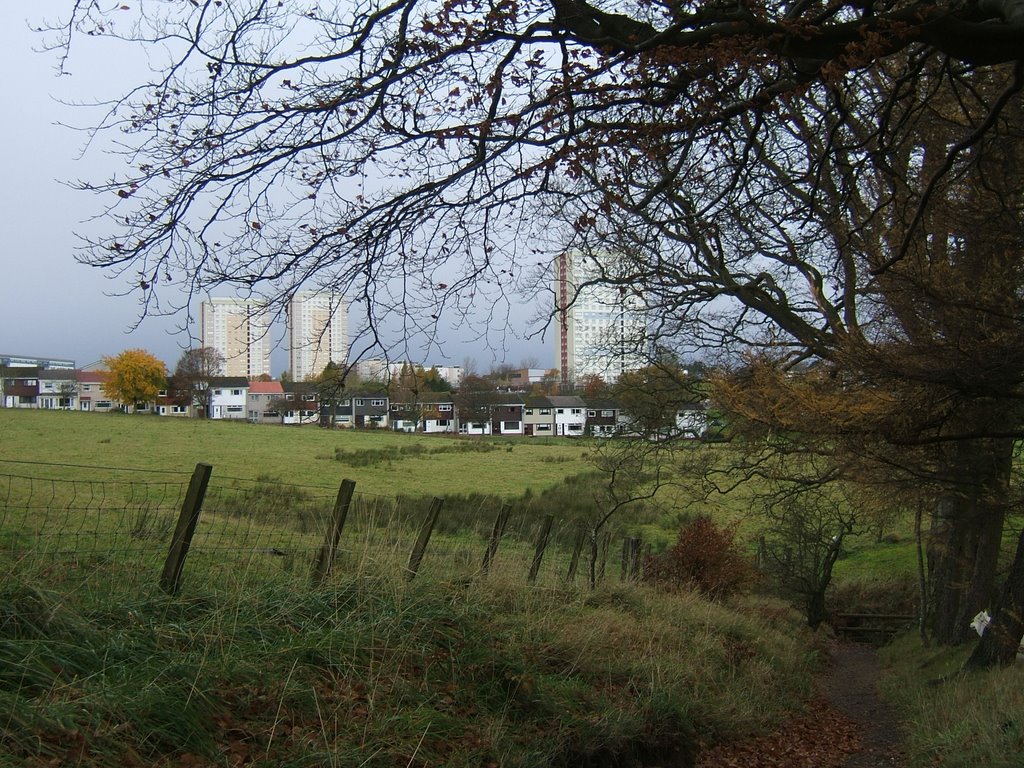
<point>52,306</point>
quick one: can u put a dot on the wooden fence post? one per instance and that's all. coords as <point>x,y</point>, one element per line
<point>170,578</point>
<point>496,533</point>
<point>606,542</point>
<point>542,544</point>
<point>421,541</point>
<point>325,560</point>
<point>624,572</point>
<point>574,562</point>
<point>634,558</point>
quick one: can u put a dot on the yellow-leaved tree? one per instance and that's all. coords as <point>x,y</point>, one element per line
<point>136,377</point>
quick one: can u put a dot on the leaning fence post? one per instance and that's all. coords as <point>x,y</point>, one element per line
<point>326,557</point>
<point>575,560</point>
<point>421,541</point>
<point>496,533</point>
<point>624,572</point>
<point>170,578</point>
<point>606,542</point>
<point>542,544</point>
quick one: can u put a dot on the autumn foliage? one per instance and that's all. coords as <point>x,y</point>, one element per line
<point>706,557</point>
<point>135,376</point>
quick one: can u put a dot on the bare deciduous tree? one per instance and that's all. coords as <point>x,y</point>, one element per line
<point>193,375</point>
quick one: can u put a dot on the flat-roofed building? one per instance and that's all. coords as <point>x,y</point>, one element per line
<point>600,324</point>
<point>317,333</point>
<point>240,330</point>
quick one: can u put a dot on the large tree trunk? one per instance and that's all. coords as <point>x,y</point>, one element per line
<point>999,643</point>
<point>966,534</point>
<point>815,607</point>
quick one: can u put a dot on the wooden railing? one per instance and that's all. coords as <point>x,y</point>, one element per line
<point>877,628</point>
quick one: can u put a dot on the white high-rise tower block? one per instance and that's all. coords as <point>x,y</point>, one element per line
<point>240,330</point>
<point>317,333</point>
<point>601,327</point>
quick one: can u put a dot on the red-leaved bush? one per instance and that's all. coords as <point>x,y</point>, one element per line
<point>706,558</point>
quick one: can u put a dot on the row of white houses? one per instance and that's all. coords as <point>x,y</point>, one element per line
<point>271,402</point>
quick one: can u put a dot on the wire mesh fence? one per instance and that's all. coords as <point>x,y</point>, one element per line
<point>115,530</point>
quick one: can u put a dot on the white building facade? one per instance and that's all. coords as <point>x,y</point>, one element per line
<point>240,330</point>
<point>600,325</point>
<point>317,333</point>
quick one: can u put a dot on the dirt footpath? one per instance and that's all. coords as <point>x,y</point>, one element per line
<point>847,725</point>
<point>851,686</point>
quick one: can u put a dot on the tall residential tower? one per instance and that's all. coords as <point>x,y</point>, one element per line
<point>317,333</point>
<point>240,330</point>
<point>601,327</point>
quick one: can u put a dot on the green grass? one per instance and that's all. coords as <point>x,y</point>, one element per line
<point>380,461</point>
<point>250,663</point>
<point>377,673</point>
<point>955,720</point>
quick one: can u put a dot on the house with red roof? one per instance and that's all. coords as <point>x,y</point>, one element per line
<point>264,402</point>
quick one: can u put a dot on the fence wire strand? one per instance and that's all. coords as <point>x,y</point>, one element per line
<point>254,531</point>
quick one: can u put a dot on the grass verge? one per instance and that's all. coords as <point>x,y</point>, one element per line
<point>379,673</point>
<point>954,720</point>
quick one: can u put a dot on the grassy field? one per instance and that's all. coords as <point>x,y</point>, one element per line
<point>304,456</point>
<point>251,664</point>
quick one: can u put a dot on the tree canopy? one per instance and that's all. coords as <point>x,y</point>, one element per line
<point>135,376</point>
<point>254,157</point>
<point>193,374</point>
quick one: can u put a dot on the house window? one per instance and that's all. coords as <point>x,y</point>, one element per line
<point>178,409</point>
<point>378,403</point>
<point>545,411</point>
<point>575,427</point>
<point>607,413</point>
<point>376,419</point>
<point>442,422</point>
<point>444,407</point>
<point>591,414</point>
<point>561,411</point>
<point>87,387</point>
<point>343,419</point>
<point>309,398</point>
<point>289,396</point>
<point>103,404</point>
<point>235,408</point>
<point>161,393</point>
<point>269,414</point>
<point>359,402</point>
<point>63,402</point>
<point>543,427</point>
<point>218,392</point>
<point>510,426</point>
<point>529,411</point>
<point>577,411</point>
<point>236,392</point>
<point>478,425</point>
<point>308,414</point>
